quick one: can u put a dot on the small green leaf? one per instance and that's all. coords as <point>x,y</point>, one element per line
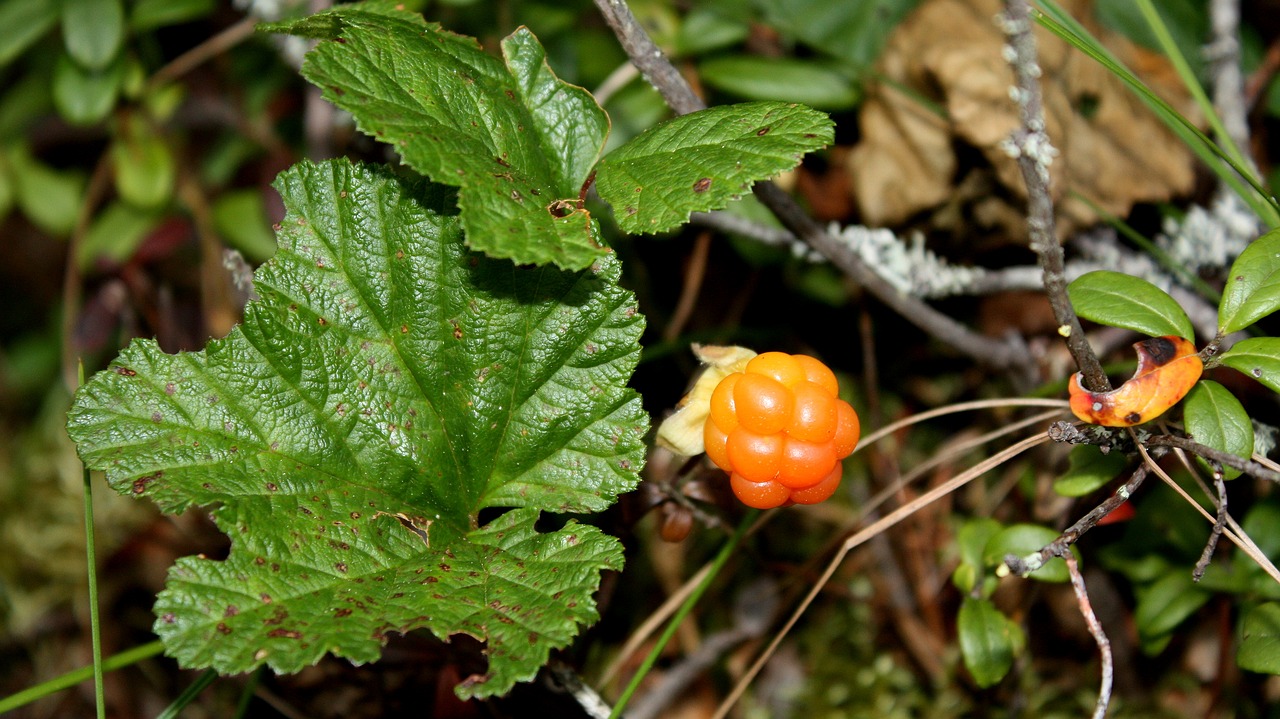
<point>1253,285</point>
<point>1021,540</point>
<point>1090,469</point>
<point>971,541</point>
<point>1166,604</point>
<point>1260,639</point>
<point>49,198</point>
<point>705,159</point>
<point>1215,418</point>
<point>22,23</point>
<point>518,141</point>
<point>1119,300</point>
<point>85,97</point>
<point>240,217</point>
<point>93,31</point>
<point>147,15</point>
<point>706,29</point>
<point>1257,357</point>
<point>853,31</point>
<point>116,233</point>
<point>989,641</point>
<point>387,386</point>
<point>781,79</point>
<point>144,166</point>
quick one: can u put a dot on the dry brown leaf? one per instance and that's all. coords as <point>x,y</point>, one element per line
<point>1112,149</point>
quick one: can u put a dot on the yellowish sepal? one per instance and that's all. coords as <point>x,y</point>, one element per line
<point>682,431</point>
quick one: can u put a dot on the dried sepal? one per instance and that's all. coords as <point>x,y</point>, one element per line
<point>682,431</point>
<point>1168,367</point>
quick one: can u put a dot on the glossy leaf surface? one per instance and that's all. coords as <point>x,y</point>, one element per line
<point>1253,285</point>
<point>1214,417</point>
<point>1119,300</point>
<point>1257,357</point>
<point>989,640</point>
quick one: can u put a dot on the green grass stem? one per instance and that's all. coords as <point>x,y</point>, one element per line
<point>72,678</point>
<point>678,618</point>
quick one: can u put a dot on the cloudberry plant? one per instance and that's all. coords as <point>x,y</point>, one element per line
<point>779,429</point>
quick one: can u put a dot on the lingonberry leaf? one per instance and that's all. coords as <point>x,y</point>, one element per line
<point>1253,285</point>
<point>1119,300</point>
<point>518,142</point>
<point>703,160</point>
<point>1215,418</point>
<point>1259,649</point>
<point>1258,357</point>
<point>388,385</point>
<point>989,640</point>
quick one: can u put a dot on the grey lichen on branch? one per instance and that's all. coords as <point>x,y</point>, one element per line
<point>1030,145</point>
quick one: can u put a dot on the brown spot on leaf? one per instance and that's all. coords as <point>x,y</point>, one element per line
<point>285,633</point>
<point>762,131</point>
<point>125,371</point>
<point>702,185</point>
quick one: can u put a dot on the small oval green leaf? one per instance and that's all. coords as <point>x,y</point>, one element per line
<point>1090,469</point>
<point>1119,300</point>
<point>1260,639</point>
<point>49,198</point>
<point>781,79</point>
<point>1166,604</point>
<point>1023,539</point>
<point>116,233</point>
<point>22,23</point>
<point>1253,286</point>
<point>1257,357</point>
<point>93,31</point>
<point>85,97</point>
<point>1215,418</point>
<point>144,168</point>
<point>989,640</point>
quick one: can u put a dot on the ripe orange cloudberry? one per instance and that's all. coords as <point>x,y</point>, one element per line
<point>779,429</point>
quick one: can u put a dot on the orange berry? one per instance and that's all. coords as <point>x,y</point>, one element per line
<point>814,416</point>
<point>848,431</point>
<point>714,440</point>
<point>763,403</point>
<point>761,495</point>
<point>818,373</point>
<point>805,464</point>
<point>821,491</point>
<point>754,456</point>
<point>779,366</point>
<point>723,411</point>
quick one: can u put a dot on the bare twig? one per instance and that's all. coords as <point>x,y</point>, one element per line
<point>658,70</point>
<point>1248,466</point>
<point>211,48</point>
<point>1061,546</point>
<point>1099,636</point>
<point>1031,146</point>
<point>1218,525</point>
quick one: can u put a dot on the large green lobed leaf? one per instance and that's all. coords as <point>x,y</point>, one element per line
<point>518,141</point>
<point>703,160</point>
<point>388,385</point>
